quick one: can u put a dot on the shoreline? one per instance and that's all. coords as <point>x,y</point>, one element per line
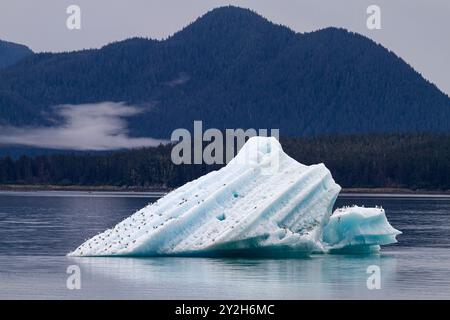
<point>394,191</point>
<point>30,188</point>
<point>25,188</point>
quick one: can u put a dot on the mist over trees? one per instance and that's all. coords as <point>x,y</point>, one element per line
<point>351,103</point>
<point>232,68</point>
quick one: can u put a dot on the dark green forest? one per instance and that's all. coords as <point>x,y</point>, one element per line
<point>368,161</point>
<point>356,106</point>
<point>232,68</point>
<point>10,53</point>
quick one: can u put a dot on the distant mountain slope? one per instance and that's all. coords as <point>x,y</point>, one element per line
<point>232,68</point>
<point>10,53</point>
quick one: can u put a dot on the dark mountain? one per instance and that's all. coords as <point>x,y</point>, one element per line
<point>10,53</point>
<point>232,68</point>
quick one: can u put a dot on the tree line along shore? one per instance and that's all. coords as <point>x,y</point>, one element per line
<point>359,163</point>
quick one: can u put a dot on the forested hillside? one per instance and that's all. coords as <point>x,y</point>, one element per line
<point>11,53</point>
<point>408,161</point>
<point>232,68</point>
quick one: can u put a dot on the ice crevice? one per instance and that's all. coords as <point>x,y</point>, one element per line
<point>262,203</point>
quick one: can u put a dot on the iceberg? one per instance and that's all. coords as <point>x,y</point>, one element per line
<point>358,229</point>
<point>262,203</point>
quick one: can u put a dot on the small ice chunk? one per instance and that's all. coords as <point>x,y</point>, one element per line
<point>358,229</point>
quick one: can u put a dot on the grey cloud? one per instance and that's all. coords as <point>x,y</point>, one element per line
<point>100,126</point>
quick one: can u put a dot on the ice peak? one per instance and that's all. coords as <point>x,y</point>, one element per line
<point>258,150</point>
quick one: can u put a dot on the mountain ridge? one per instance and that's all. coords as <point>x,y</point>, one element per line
<point>232,68</point>
<point>11,53</point>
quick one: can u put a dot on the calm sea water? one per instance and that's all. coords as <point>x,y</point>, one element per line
<point>37,229</point>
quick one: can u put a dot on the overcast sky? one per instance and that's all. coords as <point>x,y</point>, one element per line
<point>416,30</point>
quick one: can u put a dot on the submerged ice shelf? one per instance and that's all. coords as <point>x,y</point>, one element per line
<point>262,203</point>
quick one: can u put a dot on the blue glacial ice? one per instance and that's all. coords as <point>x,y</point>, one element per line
<point>358,229</point>
<point>262,203</point>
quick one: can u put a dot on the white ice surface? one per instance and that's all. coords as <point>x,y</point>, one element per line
<point>262,202</point>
